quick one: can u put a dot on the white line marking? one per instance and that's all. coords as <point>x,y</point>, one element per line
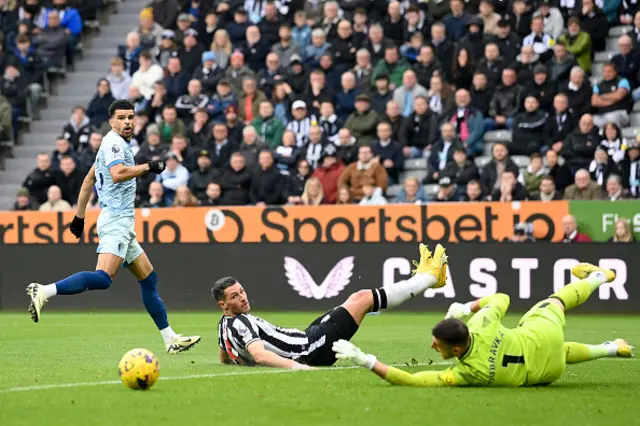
<point>197,376</point>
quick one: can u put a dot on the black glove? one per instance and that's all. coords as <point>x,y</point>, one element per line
<point>156,166</point>
<point>77,226</point>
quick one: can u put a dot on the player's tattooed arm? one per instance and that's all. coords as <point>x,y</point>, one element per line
<point>85,191</point>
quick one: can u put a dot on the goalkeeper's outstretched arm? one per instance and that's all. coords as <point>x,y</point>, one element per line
<point>498,303</point>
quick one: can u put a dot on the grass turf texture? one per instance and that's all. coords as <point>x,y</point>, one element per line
<point>74,348</point>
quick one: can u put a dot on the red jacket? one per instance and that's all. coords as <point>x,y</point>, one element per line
<point>329,179</point>
<point>579,238</point>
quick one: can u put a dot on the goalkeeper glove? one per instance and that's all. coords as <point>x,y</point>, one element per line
<point>459,311</point>
<point>77,226</point>
<point>156,166</point>
<point>349,351</point>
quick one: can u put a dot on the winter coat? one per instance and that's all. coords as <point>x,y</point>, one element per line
<point>591,192</point>
<point>235,187</point>
<point>489,174</point>
<point>528,132</point>
<point>355,177</point>
<point>579,148</point>
<point>580,48</point>
<point>400,95</point>
<point>209,77</point>
<point>461,175</point>
<point>258,98</point>
<point>285,54</point>
<point>199,180</point>
<point>469,125</point>
<point>38,182</point>
<point>98,109</point>
<point>119,85</point>
<point>363,126</point>
<point>255,54</point>
<point>376,199</point>
<point>506,101</point>
<point>394,72</point>
<point>561,175</point>
<point>579,100</point>
<point>420,197</point>
<point>345,103</point>
<point>269,131</point>
<point>559,71</point>
<point>176,85</point>
<point>267,186</point>
<point>78,136</point>
<point>393,152</point>
<point>329,179</point>
<point>422,130</point>
<point>218,104</point>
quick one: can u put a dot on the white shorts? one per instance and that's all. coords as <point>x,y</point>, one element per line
<point>117,236</point>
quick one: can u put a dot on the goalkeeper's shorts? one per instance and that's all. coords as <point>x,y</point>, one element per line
<point>323,331</point>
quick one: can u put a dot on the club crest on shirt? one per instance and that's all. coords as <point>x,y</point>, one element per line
<point>115,149</point>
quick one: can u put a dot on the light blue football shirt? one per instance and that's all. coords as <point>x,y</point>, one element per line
<point>116,199</point>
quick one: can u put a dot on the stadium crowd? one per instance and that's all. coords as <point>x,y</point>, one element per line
<point>305,103</point>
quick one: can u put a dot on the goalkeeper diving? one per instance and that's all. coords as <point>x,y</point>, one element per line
<point>489,354</point>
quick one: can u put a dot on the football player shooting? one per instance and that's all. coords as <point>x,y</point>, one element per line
<point>489,354</point>
<point>115,172</point>
<point>245,339</point>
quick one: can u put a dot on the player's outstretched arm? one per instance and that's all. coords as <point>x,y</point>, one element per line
<point>498,302</point>
<point>270,359</point>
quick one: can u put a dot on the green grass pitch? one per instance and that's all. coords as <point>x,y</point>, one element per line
<point>77,354</point>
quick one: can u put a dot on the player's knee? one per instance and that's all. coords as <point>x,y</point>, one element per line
<point>361,297</point>
<point>102,280</point>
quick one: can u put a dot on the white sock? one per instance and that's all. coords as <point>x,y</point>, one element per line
<point>398,293</point>
<point>611,347</point>
<point>49,290</point>
<point>168,334</point>
<point>596,279</point>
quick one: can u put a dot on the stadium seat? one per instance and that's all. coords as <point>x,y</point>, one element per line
<point>431,190</point>
<point>635,119</point>
<point>619,30</point>
<point>481,161</point>
<point>612,44</point>
<point>488,148</point>
<point>594,80</point>
<point>415,164</point>
<point>636,107</point>
<point>630,132</point>
<point>498,136</point>
<point>393,191</point>
<point>418,174</point>
<point>603,56</point>
<point>596,69</point>
<point>522,161</point>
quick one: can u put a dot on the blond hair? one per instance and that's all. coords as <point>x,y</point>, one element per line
<point>191,199</point>
<point>306,197</point>
<point>628,236</point>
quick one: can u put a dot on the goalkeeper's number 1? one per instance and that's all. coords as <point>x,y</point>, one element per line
<point>512,359</point>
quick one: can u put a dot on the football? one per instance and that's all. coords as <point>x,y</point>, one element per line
<point>139,369</point>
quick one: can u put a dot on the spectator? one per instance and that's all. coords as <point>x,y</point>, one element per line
<point>221,148</point>
<point>552,18</point>
<point>473,193</point>
<point>627,13</point>
<point>54,202</point>
<point>31,67</point>
<point>528,128</point>
<point>63,149</point>
<point>98,110</point>
<point>286,47</point>
<point>209,73</point>
<point>421,130</point>
<point>346,97</point>
<point>441,100</point>
<point>622,232</point>
<point>69,179</point>
<point>251,147</point>
<point>560,124</point>
<point>130,53</point>
<point>165,12</point>
<point>147,76</point>
<point>561,64</point>
<point>489,17</point>
<point>156,196</point>
<point>235,182</point>
<point>571,234</point>
<point>296,183</point>
<point>234,126</point>
<point>627,62</point>
<point>363,70</point>
<point>416,23</point>
<point>611,98</point>
<point>267,77</point>
<point>152,147</point>
<point>391,65</point>
<point>524,65</point>
<point>394,22</point>
<point>533,175</point>
<point>176,80</point>
<point>317,48</point>
<point>297,77</point>
<point>491,65</point>
<point>405,94</point>
<point>491,174</point>
<point>442,153</point>
<point>481,94</point>
<point>522,233</point>
<point>411,193</point>
<point>398,123</point>
<point>51,42</point>
<point>23,201</point>
<point>301,31</point>
<point>542,88</point>
<point>344,196</point>
<point>426,66</point>
<point>189,103</point>
<point>579,92</point>
<point>300,122</point>
<point>510,189</point>
<point>190,53</point>
<point>199,131</point>
<point>347,146</point>
<point>119,81</point>
<point>456,21</point>
<point>561,173</point>
<point>345,46</point>
<point>461,169</point>
<point>250,100</point>
<point>613,142</point>
<point>213,195</point>
<point>448,192</point>
<point>614,189</point>
<point>473,43</point>
<point>313,193</point>
<point>372,196</point>
<point>267,184</point>
<point>363,172</point>
<point>578,43</point>
<point>255,49</point>
<point>166,49</point>
<point>377,44</point>
<point>363,122</point>
<point>328,172</point>
<point>539,40</point>
<point>509,44</point>
<point>219,102</point>
<point>237,29</point>
<point>629,167</point>
<point>505,102</point>
<point>329,121</point>
<point>269,128</point>
<point>13,86</point>
<point>170,126</point>
<point>40,179</point>
<point>581,143</point>
<point>158,101</point>
<point>601,166</point>
<point>221,47</point>
<point>187,156</point>
<point>148,30</point>
<point>388,152</point>
<point>547,190</point>
<point>381,94</point>
<point>88,155</point>
<point>583,188</point>
<point>318,91</point>
<point>595,23</point>
<point>78,129</point>
<point>468,122</point>
<point>184,198</point>
<point>635,31</point>
<point>172,177</point>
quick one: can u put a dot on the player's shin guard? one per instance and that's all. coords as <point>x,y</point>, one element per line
<point>577,293</point>
<point>152,301</point>
<point>580,352</point>
<point>83,281</point>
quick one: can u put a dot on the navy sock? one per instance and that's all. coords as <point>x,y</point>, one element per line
<point>83,281</point>
<point>153,302</point>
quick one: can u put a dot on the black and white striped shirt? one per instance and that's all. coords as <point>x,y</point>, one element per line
<point>301,129</point>
<point>236,333</point>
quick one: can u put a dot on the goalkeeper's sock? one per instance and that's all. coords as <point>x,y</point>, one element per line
<point>79,283</point>
<point>396,294</point>
<point>153,302</point>
<point>168,334</point>
<point>580,352</point>
<point>577,293</point>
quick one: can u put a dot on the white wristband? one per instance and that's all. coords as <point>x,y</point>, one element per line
<point>467,308</point>
<point>370,361</point>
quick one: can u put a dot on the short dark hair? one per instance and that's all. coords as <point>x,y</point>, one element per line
<point>217,291</point>
<point>119,105</point>
<point>452,332</point>
<point>146,55</point>
<point>535,155</point>
<point>549,178</point>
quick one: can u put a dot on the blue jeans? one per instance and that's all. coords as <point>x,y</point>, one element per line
<point>490,124</point>
<point>416,153</point>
